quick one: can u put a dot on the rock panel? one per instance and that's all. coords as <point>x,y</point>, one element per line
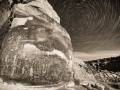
<point>37,49</point>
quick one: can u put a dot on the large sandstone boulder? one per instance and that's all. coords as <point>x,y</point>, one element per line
<point>37,49</point>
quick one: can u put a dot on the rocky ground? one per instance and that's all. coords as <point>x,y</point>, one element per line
<point>86,78</point>
<point>107,71</point>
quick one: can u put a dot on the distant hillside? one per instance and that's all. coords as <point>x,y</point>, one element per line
<point>110,64</point>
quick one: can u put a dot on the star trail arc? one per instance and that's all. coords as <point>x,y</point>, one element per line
<point>93,25</point>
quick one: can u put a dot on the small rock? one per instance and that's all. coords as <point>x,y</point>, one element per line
<point>1,80</point>
<point>101,88</point>
<point>70,84</point>
<point>5,83</point>
<point>89,87</point>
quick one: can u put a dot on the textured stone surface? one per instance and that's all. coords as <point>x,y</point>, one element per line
<point>106,71</point>
<point>82,73</point>
<point>37,49</point>
<point>110,64</point>
<point>5,13</point>
<point>83,80</point>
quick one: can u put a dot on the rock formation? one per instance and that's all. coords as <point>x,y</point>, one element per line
<point>82,73</point>
<point>110,64</point>
<point>107,71</point>
<point>37,49</point>
<point>5,19</point>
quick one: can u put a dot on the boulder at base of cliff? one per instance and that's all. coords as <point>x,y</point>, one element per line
<point>82,74</point>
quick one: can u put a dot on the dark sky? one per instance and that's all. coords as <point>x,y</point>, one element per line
<point>93,25</point>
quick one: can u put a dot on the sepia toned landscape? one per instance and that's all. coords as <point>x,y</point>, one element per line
<point>59,45</point>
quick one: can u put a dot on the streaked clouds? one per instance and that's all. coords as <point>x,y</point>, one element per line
<point>96,55</point>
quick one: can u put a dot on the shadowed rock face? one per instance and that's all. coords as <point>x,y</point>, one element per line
<point>110,64</point>
<point>37,49</point>
<point>106,71</point>
<point>5,19</point>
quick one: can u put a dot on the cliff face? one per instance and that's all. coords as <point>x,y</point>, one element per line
<point>110,64</point>
<point>106,71</point>
<point>37,49</point>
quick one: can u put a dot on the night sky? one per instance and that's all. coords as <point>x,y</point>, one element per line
<point>93,25</point>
